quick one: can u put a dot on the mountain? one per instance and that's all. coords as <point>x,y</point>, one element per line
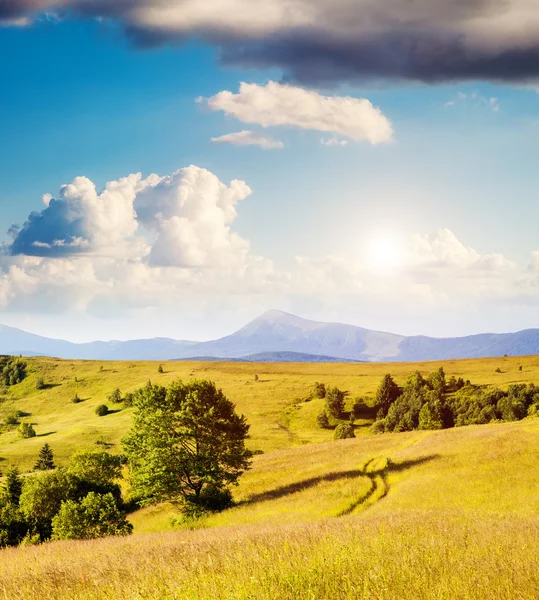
<point>282,337</point>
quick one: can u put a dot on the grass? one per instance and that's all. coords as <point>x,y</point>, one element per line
<point>421,515</point>
<point>274,405</point>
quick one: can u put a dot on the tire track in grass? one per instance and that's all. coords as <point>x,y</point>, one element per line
<point>379,487</point>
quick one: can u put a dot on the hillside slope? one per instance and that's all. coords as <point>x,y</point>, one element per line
<point>433,515</point>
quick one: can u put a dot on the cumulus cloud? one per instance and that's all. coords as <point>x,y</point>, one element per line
<point>248,138</point>
<point>475,99</point>
<point>337,40</point>
<point>276,104</point>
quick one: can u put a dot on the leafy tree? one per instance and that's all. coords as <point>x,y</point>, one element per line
<point>344,431</point>
<point>128,399</point>
<point>387,393</point>
<point>102,410</point>
<point>13,527</point>
<point>115,397</point>
<point>95,516</point>
<point>45,460</point>
<point>11,419</point>
<point>430,416</point>
<point>40,383</point>
<point>96,467</point>
<point>184,438</point>
<point>436,380</point>
<point>12,488</point>
<point>25,431</point>
<point>319,390</point>
<point>322,420</point>
<point>335,402</point>
<point>160,369</point>
<point>12,371</point>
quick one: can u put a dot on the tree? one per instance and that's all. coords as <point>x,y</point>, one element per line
<point>388,391</point>
<point>319,390</point>
<point>115,397</point>
<point>95,516</point>
<point>25,430</point>
<point>322,420</point>
<point>45,460</point>
<point>335,402</point>
<point>96,467</point>
<point>102,410</point>
<point>160,369</point>
<point>344,431</point>
<point>12,488</point>
<point>76,399</point>
<point>12,371</point>
<point>430,416</point>
<point>184,438</point>
<point>40,383</point>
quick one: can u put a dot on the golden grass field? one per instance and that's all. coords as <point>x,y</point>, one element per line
<point>443,515</point>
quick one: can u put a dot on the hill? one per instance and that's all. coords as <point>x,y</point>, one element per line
<point>280,334</point>
<point>433,515</point>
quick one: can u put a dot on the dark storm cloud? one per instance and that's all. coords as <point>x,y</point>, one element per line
<point>334,40</point>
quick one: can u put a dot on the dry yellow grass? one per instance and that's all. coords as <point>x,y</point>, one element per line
<point>456,520</point>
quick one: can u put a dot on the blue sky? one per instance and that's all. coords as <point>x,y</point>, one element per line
<point>80,100</point>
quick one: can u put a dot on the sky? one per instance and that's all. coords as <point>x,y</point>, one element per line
<point>177,168</point>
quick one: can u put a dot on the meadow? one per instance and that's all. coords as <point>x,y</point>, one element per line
<point>423,514</point>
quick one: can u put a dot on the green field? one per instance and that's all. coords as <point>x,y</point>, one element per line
<point>424,514</point>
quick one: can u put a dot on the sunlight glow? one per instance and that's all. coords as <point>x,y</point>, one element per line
<point>384,251</point>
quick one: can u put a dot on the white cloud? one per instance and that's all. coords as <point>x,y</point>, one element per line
<point>333,142</point>
<point>475,99</point>
<point>248,138</point>
<point>276,104</point>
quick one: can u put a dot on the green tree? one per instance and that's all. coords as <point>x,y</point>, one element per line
<point>386,394</point>
<point>115,397</point>
<point>322,420</point>
<point>40,383</point>
<point>12,488</point>
<point>96,467</point>
<point>430,416</point>
<point>45,459</point>
<point>319,390</point>
<point>436,380</point>
<point>160,369</point>
<point>25,431</point>
<point>12,371</point>
<point>184,438</point>
<point>95,516</point>
<point>335,402</point>
<point>344,431</point>
<point>13,527</point>
<point>102,410</point>
<point>43,494</point>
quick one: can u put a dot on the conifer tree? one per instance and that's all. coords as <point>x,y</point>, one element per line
<point>12,486</point>
<point>45,460</point>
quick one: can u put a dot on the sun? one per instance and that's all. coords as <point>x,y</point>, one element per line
<point>384,251</point>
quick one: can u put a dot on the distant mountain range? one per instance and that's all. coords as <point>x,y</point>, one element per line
<point>276,336</point>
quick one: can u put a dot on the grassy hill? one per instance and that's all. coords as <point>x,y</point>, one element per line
<point>274,405</point>
<point>425,514</point>
<point>430,515</point>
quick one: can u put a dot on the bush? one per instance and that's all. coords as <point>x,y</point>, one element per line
<point>26,431</point>
<point>323,421</point>
<point>335,402</point>
<point>102,410</point>
<point>96,516</point>
<point>344,431</point>
<point>115,397</point>
<point>40,383</point>
<point>76,399</point>
<point>160,369</point>
<point>128,399</point>
<point>11,419</point>
<point>498,370</point>
<point>319,390</point>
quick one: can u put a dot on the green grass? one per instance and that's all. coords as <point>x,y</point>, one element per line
<point>422,515</point>
<point>274,405</point>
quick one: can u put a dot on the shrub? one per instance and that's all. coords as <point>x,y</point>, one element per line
<point>102,410</point>
<point>256,377</point>
<point>160,369</point>
<point>76,399</point>
<point>11,419</point>
<point>115,397</point>
<point>128,399</point>
<point>498,370</point>
<point>40,383</point>
<point>344,431</point>
<point>319,390</point>
<point>322,420</point>
<point>96,516</point>
<point>335,402</point>
<point>26,431</point>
